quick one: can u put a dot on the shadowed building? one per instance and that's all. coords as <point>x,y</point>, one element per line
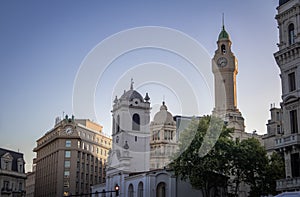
<point>288,60</point>
<point>12,174</point>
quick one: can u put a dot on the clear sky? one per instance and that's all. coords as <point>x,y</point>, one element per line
<point>43,45</point>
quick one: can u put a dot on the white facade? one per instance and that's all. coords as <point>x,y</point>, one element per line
<point>130,148</point>
<point>129,158</point>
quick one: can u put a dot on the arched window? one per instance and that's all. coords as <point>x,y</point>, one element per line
<point>223,49</point>
<point>161,190</point>
<point>118,123</point>
<point>140,189</point>
<point>291,30</point>
<point>130,190</point>
<point>136,122</point>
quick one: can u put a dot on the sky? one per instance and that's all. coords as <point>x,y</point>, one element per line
<point>46,46</point>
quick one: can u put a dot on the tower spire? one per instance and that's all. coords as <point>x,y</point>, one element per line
<point>223,26</point>
<point>131,84</point>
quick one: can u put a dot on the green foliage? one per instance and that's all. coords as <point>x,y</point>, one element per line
<point>274,171</point>
<point>208,156</point>
<point>202,159</point>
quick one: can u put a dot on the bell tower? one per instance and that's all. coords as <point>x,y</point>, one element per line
<point>225,69</point>
<point>130,133</point>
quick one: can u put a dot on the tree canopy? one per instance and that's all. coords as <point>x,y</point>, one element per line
<point>210,159</point>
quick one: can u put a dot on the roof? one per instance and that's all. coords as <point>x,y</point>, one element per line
<point>223,34</point>
<point>281,2</point>
<point>132,94</point>
<point>163,116</point>
<point>15,156</point>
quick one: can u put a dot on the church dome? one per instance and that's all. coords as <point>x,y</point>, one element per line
<point>131,94</point>
<point>223,34</point>
<point>163,116</point>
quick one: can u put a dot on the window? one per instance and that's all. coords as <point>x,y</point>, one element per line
<point>140,189</point>
<point>292,82</point>
<point>156,135</point>
<point>223,49</point>
<point>161,190</point>
<point>68,143</point>
<point>118,123</point>
<point>20,186</point>
<point>135,138</point>
<point>67,154</point>
<point>117,139</point>
<point>168,135</point>
<point>66,184</point>
<point>291,34</point>
<point>277,116</point>
<point>67,164</point>
<point>295,162</point>
<point>5,184</point>
<point>67,174</point>
<point>136,122</point>
<point>130,190</point>
<point>293,121</point>
<point>278,129</point>
<point>20,168</point>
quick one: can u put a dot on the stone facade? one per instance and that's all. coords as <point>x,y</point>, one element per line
<point>12,173</point>
<point>225,69</point>
<point>30,183</point>
<point>163,142</point>
<point>274,129</point>
<point>70,158</point>
<point>288,60</point>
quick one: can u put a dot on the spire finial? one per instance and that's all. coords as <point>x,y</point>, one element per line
<point>131,84</point>
<point>223,26</point>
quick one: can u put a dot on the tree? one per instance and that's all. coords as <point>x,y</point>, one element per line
<point>210,159</point>
<point>274,171</point>
<point>202,155</point>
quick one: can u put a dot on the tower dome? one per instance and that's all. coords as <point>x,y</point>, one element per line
<point>163,116</point>
<point>131,94</point>
<point>223,34</point>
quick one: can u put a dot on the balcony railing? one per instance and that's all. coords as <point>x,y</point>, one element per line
<point>288,184</point>
<point>290,140</point>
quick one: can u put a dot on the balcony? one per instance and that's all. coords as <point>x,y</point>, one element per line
<point>288,184</point>
<point>285,141</point>
<point>6,190</point>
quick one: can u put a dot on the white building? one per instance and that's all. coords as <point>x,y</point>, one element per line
<point>129,159</point>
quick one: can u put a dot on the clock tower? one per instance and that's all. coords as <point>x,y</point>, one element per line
<point>225,69</point>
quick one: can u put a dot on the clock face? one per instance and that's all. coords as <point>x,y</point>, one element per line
<point>222,62</point>
<point>69,130</point>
